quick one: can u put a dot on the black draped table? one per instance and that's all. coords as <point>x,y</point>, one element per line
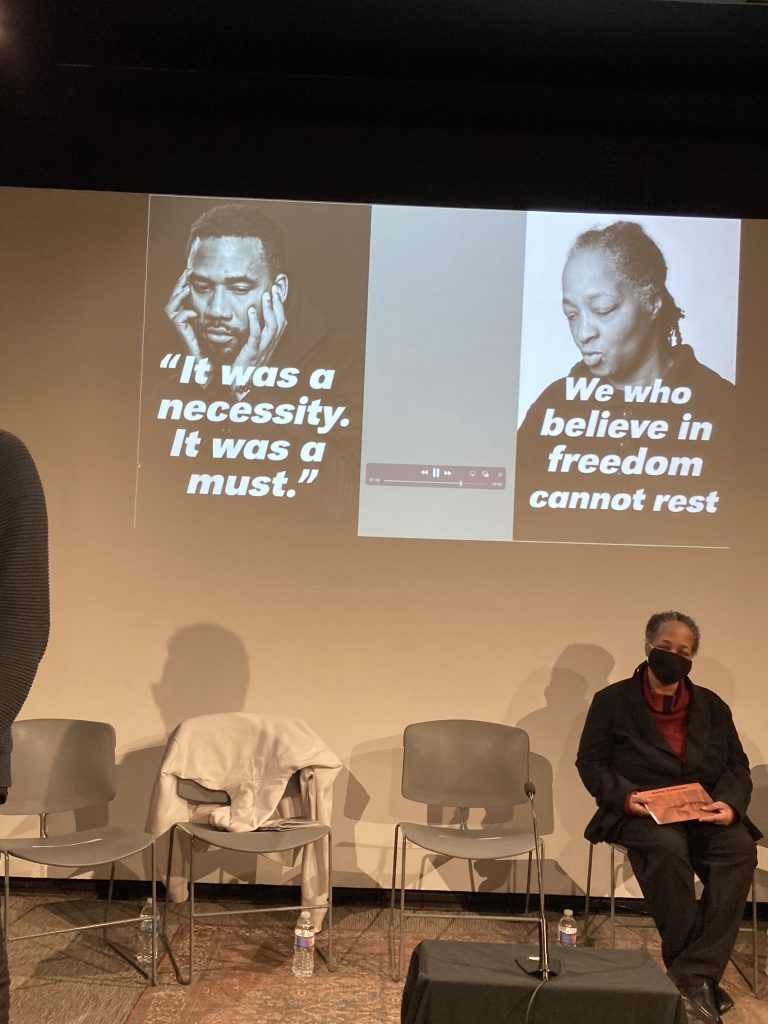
<point>467,982</point>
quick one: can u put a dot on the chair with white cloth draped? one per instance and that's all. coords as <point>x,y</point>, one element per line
<point>254,784</point>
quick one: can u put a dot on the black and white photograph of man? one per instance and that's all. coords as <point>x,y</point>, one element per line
<point>245,301</point>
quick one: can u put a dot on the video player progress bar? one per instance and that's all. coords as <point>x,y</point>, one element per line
<point>422,474</point>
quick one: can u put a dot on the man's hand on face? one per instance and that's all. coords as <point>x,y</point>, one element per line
<point>180,315</point>
<point>262,340</point>
<point>717,813</point>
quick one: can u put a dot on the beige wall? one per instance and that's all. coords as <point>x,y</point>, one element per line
<point>359,636</point>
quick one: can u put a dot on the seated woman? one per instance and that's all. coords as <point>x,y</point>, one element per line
<point>657,729</point>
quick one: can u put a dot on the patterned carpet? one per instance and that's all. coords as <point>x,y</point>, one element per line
<point>243,969</point>
<point>245,978</point>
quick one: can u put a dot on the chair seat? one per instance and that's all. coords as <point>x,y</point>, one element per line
<point>470,843</point>
<point>79,849</point>
<point>261,841</point>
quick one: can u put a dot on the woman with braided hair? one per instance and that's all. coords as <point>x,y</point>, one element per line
<point>622,463</point>
<point>618,307</point>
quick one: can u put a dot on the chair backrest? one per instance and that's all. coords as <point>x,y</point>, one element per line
<point>60,764</point>
<point>195,793</point>
<point>192,791</point>
<point>458,763</point>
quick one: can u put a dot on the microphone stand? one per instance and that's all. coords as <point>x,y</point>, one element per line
<point>540,965</point>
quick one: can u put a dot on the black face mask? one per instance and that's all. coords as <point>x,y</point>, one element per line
<point>667,666</point>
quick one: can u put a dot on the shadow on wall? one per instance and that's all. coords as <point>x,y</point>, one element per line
<point>360,859</point>
<point>563,805</point>
<point>715,676</point>
<point>758,813</point>
<point>206,671</point>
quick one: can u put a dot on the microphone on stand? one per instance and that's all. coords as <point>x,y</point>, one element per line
<point>540,965</point>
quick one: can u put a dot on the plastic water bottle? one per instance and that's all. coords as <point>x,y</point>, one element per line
<point>147,927</point>
<point>304,946</point>
<point>567,929</point>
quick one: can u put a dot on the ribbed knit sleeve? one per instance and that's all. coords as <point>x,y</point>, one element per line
<point>24,599</point>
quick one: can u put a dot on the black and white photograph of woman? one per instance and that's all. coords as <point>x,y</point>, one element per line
<point>630,443</point>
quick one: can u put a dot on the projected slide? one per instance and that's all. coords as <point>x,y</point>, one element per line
<point>628,357</point>
<point>253,354</point>
<point>550,377</point>
<point>442,354</point>
<point>441,373</point>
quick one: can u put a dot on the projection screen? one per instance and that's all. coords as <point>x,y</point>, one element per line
<point>371,465</point>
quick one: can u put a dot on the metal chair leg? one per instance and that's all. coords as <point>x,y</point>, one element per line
<point>110,891</point>
<point>129,955</point>
<point>392,893</point>
<point>588,892</point>
<point>755,969</point>
<point>402,911</point>
<point>169,866</point>
<point>613,897</point>
<point>331,964</point>
<point>6,895</point>
<point>155,916</point>
<point>191,906</point>
<point>163,926</point>
<point>542,899</point>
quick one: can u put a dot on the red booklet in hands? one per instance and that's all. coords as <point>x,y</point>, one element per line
<point>675,803</point>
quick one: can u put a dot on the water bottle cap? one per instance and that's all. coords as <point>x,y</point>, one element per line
<point>304,915</point>
<point>567,913</point>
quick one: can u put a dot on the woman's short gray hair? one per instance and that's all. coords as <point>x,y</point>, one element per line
<point>657,621</point>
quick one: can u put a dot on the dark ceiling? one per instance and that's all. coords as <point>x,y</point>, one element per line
<point>635,42</point>
<point>551,102</point>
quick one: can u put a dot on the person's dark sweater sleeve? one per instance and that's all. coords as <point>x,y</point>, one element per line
<point>594,756</point>
<point>24,599</point>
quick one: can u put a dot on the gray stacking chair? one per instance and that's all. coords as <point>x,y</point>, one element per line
<point>463,764</point>
<point>616,923</point>
<point>258,842</point>
<point>61,764</point>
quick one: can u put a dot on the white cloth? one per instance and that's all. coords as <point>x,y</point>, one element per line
<point>251,758</point>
